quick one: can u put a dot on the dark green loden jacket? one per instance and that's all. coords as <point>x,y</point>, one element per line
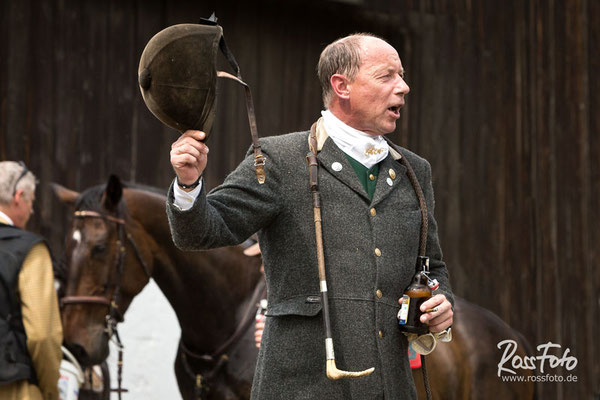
<point>291,361</point>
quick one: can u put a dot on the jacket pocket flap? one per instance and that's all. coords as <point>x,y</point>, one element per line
<point>307,306</point>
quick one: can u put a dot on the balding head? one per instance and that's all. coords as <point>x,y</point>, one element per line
<point>342,57</point>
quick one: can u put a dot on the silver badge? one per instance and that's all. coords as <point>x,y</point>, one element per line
<point>389,181</point>
<point>336,166</point>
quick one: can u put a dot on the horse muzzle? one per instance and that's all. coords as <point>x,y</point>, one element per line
<point>87,339</point>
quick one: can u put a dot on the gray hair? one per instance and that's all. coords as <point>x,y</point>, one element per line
<point>10,171</point>
<point>340,57</point>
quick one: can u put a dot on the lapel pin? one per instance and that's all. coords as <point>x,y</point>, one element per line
<point>392,173</point>
<point>389,181</point>
<point>336,166</point>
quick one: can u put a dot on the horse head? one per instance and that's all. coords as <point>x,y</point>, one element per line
<point>109,261</point>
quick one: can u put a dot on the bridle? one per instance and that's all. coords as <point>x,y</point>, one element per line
<point>213,363</point>
<point>114,315</point>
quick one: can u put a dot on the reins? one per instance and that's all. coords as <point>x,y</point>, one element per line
<point>313,166</point>
<point>220,356</point>
<point>114,315</point>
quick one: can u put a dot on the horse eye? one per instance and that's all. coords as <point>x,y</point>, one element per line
<point>98,249</point>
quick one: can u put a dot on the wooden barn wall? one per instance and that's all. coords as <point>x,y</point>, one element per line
<point>503,103</point>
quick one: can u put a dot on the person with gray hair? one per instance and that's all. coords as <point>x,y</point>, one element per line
<point>367,227</point>
<point>30,326</point>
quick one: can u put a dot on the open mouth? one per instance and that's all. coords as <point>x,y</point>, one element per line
<point>395,110</point>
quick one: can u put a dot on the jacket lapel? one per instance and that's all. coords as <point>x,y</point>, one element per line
<point>331,154</point>
<point>383,188</point>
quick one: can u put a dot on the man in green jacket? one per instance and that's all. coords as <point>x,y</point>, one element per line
<point>371,225</point>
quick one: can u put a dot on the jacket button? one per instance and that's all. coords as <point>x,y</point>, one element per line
<point>380,334</point>
<point>379,294</point>
<point>373,212</point>
<point>377,252</point>
<point>372,177</point>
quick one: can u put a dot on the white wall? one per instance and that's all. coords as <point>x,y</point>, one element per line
<point>150,334</point>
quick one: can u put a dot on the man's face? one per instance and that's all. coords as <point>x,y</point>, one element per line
<point>377,92</point>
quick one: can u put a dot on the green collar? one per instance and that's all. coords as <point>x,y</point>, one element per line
<point>366,176</point>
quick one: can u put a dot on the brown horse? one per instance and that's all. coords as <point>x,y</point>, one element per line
<point>467,367</point>
<point>119,238</point>
<point>209,291</point>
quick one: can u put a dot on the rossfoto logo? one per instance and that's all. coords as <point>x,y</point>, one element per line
<point>511,362</point>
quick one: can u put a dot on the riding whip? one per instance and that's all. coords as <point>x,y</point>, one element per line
<point>332,371</point>
<point>177,76</point>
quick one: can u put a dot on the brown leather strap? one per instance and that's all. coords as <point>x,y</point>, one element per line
<point>249,315</point>
<point>94,214</point>
<point>419,192</point>
<point>215,361</point>
<point>422,240</point>
<point>85,300</point>
<point>313,139</point>
<point>259,158</point>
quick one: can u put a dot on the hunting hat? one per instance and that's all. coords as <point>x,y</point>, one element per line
<point>177,75</point>
<point>178,80</point>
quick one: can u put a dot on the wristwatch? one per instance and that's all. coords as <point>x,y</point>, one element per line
<point>190,186</point>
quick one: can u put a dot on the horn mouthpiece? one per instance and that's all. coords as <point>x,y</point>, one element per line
<point>334,373</point>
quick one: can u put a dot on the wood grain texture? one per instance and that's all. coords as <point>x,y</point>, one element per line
<point>504,104</point>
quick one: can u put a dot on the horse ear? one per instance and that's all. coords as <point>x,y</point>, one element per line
<point>112,193</point>
<point>65,195</point>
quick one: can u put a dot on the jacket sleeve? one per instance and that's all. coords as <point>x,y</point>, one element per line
<point>230,213</point>
<point>41,318</point>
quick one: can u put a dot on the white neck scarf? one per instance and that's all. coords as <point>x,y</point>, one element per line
<point>364,148</point>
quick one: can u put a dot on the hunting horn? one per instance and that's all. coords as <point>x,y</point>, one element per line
<point>332,371</point>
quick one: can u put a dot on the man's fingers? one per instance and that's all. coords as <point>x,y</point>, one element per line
<point>437,310</point>
<point>191,148</point>
<point>198,135</point>
<point>433,302</point>
<point>186,144</point>
<point>440,326</point>
<point>438,323</point>
<point>433,314</point>
<point>184,160</point>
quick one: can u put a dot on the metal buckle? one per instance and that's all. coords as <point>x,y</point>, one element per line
<point>259,159</point>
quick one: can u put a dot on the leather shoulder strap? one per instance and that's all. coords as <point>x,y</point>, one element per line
<point>419,192</point>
